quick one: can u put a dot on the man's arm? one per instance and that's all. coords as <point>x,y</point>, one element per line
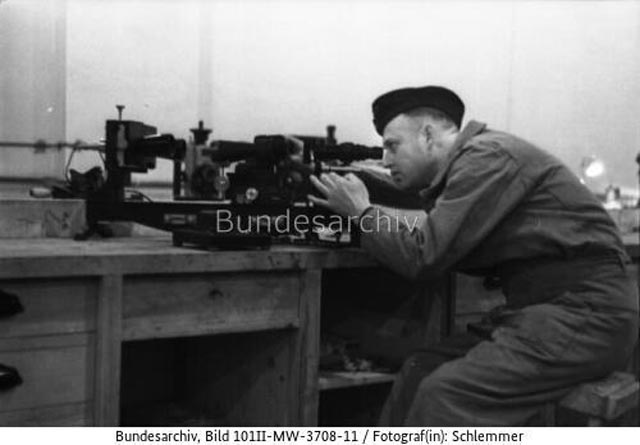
<point>482,187</point>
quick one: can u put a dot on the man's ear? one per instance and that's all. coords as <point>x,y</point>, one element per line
<point>427,132</point>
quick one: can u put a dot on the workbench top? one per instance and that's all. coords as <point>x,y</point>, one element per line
<point>49,257</point>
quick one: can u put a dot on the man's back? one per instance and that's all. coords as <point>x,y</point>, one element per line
<point>555,217</point>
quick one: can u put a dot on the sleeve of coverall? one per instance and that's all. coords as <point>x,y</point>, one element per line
<point>482,186</point>
<point>383,191</point>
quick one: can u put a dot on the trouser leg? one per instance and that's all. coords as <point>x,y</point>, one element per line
<point>537,356</point>
<point>415,369</point>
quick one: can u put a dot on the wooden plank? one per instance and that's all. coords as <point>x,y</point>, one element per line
<point>51,306</point>
<point>344,379</point>
<point>57,257</point>
<point>51,374</point>
<point>72,414</point>
<point>159,306</point>
<point>307,354</point>
<point>153,329</point>
<point>41,218</point>
<point>108,351</point>
<point>607,398</point>
<point>46,342</point>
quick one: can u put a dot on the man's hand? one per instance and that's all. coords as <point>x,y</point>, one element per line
<point>296,147</point>
<point>345,195</point>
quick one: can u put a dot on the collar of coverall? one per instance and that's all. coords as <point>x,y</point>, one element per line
<point>470,130</point>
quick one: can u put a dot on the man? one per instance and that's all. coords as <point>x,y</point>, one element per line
<point>499,207</point>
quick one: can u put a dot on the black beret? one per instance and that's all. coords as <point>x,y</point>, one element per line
<point>396,102</point>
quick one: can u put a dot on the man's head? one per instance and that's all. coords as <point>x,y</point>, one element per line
<point>418,126</point>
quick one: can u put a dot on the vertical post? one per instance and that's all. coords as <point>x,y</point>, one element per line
<point>108,351</point>
<point>309,347</point>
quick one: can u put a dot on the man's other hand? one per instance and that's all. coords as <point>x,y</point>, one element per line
<point>345,195</point>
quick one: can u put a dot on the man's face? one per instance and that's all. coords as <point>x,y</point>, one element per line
<point>408,153</point>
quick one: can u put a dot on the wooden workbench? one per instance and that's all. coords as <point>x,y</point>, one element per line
<point>242,328</point>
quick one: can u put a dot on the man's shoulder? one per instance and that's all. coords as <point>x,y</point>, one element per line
<point>491,138</point>
<point>519,149</point>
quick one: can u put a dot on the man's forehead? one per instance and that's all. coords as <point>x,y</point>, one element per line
<point>397,127</point>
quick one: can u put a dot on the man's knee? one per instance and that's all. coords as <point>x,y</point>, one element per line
<point>434,399</point>
<point>439,383</point>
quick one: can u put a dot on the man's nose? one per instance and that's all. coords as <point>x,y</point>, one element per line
<point>386,158</point>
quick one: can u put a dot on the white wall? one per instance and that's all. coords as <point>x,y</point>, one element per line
<point>32,85</point>
<point>576,82</point>
<point>296,66</point>
<point>563,74</point>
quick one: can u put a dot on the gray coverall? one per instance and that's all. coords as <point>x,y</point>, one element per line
<point>503,208</point>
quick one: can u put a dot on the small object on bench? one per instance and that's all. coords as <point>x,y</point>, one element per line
<point>600,400</point>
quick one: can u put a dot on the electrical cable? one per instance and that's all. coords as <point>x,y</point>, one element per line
<point>66,167</point>
<point>138,193</point>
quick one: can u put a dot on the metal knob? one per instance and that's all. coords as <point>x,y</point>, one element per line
<point>9,304</point>
<point>9,377</point>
